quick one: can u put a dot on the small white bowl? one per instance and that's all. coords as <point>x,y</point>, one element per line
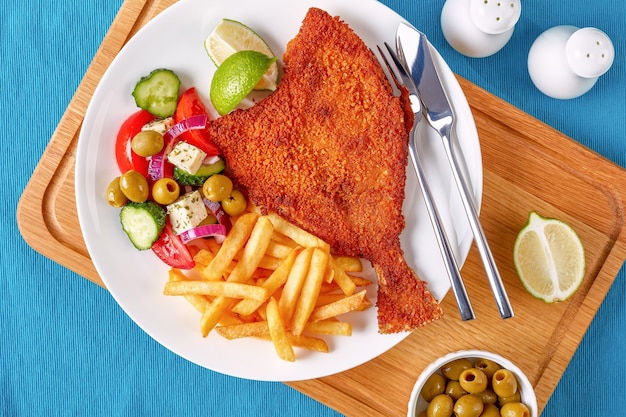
<point>417,404</point>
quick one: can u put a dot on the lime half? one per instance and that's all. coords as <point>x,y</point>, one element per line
<point>236,77</point>
<point>230,36</point>
<point>549,258</point>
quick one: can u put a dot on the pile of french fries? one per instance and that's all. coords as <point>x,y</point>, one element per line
<point>272,280</point>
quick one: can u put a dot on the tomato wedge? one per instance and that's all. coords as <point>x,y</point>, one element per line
<point>124,155</point>
<point>171,250</point>
<point>189,105</point>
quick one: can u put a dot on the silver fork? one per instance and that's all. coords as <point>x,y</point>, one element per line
<point>450,263</point>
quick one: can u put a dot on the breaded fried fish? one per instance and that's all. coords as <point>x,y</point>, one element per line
<point>328,151</point>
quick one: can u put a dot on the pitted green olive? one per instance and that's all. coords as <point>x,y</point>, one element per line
<point>452,370</point>
<point>504,383</point>
<point>488,366</point>
<point>514,409</point>
<point>473,380</point>
<point>433,386</point>
<point>468,405</point>
<point>455,390</point>
<point>147,143</point>
<point>440,406</point>
<point>512,399</point>
<point>488,396</point>
<point>134,186</point>
<point>490,410</point>
<point>115,196</point>
<point>217,187</point>
<point>165,191</point>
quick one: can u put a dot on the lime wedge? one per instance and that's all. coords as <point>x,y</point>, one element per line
<point>236,78</point>
<point>230,36</point>
<point>549,258</point>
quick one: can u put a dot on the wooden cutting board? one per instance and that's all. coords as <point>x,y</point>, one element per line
<point>527,166</point>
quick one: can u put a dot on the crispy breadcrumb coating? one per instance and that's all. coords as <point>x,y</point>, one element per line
<point>328,151</point>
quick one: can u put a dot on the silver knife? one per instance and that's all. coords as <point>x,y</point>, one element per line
<point>440,116</point>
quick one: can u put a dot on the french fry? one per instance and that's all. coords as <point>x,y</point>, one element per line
<point>326,298</point>
<point>233,242</point>
<point>273,283</point>
<point>253,250</point>
<point>243,330</point>
<point>365,304</point>
<point>330,327</point>
<point>302,341</point>
<point>349,263</point>
<point>293,286</point>
<point>277,332</point>
<point>298,235</point>
<point>229,319</point>
<point>199,302</point>
<point>341,278</point>
<point>203,257</point>
<point>360,281</point>
<point>308,342</point>
<point>278,250</point>
<point>216,288</point>
<point>213,313</point>
<point>310,290</point>
<point>283,240</point>
<point>345,305</point>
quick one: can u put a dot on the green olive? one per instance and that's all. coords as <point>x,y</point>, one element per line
<point>115,196</point>
<point>147,143</point>
<point>514,409</point>
<point>504,383</point>
<point>488,396</point>
<point>452,370</point>
<point>468,405</point>
<point>235,204</point>
<point>490,410</point>
<point>165,191</point>
<point>440,406</point>
<point>473,380</point>
<point>455,390</point>
<point>488,366</point>
<point>134,186</point>
<point>210,219</point>
<point>217,187</point>
<point>512,399</point>
<point>434,385</point>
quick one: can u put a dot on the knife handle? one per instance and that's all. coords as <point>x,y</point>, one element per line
<point>495,281</point>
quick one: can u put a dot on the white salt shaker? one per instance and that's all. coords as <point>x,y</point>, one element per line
<point>565,62</point>
<point>479,28</point>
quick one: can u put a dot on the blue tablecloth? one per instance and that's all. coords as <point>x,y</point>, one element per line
<point>68,349</point>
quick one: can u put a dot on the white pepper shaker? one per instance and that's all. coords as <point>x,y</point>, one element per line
<point>479,28</point>
<point>565,61</point>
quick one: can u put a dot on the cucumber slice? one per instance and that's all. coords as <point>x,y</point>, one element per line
<point>158,92</point>
<point>143,223</point>
<point>203,173</point>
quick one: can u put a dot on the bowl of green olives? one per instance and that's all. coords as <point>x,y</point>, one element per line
<point>472,383</point>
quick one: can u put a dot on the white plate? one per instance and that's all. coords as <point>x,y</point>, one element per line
<point>174,40</point>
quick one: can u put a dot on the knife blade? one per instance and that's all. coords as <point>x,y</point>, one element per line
<point>440,116</point>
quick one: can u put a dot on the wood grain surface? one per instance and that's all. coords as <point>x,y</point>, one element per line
<point>527,166</point>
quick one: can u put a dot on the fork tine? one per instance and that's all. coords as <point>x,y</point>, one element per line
<point>389,69</point>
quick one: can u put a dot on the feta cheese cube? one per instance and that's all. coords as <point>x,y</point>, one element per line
<point>186,157</point>
<point>187,212</point>
<point>159,125</point>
